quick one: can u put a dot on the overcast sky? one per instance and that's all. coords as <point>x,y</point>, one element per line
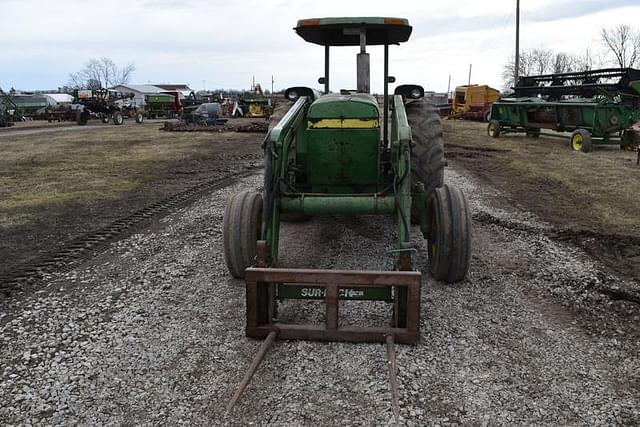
<point>223,44</point>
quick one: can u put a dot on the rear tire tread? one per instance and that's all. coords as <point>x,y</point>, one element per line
<point>427,153</point>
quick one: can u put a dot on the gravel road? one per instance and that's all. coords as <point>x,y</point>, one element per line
<point>151,332</point>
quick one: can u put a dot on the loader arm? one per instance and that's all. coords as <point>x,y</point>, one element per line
<point>277,145</point>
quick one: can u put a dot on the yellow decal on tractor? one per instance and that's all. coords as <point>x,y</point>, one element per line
<point>345,124</point>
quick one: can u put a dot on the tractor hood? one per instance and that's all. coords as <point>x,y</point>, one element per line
<point>361,110</point>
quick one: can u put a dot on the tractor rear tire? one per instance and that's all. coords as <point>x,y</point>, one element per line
<point>117,118</point>
<point>449,241</point>
<point>494,129</point>
<point>427,152</point>
<point>580,140</point>
<point>241,227</point>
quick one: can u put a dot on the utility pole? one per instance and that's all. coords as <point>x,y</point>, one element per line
<point>449,86</point>
<point>469,83</point>
<point>517,65</point>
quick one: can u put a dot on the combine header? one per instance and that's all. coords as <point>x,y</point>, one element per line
<point>342,153</point>
<point>597,107</point>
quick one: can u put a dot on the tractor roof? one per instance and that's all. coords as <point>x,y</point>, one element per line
<point>345,31</point>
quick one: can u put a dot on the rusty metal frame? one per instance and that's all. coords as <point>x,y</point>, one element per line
<point>261,316</point>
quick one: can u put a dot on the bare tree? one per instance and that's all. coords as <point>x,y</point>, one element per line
<point>585,62</point>
<point>541,60</point>
<point>535,61</point>
<point>623,43</point>
<point>101,73</point>
<point>508,71</point>
<point>563,63</point>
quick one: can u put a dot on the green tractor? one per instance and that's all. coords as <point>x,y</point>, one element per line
<point>345,154</point>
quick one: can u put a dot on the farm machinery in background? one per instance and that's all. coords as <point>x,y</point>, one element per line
<point>598,107</point>
<point>473,102</point>
<point>107,105</point>
<point>345,154</point>
<point>162,105</point>
<point>252,104</point>
<point>29,107</point>
<point>7,109</point>
<point>26,107</point>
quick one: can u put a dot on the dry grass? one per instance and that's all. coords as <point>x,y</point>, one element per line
<point>86,165</point>
<point>597,191</point>
<point>57,186</point>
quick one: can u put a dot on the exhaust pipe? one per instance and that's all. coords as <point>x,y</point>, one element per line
<point>362,66</point>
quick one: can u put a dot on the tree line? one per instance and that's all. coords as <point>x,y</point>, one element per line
<point>620,48</point>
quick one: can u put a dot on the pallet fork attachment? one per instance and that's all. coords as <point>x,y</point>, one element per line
<point>265,285</point>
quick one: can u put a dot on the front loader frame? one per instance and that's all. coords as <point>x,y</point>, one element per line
<point>279,147</point>
<point>266,284</point>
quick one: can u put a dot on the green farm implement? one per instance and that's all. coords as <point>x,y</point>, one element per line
<point>598,107</point>
<point>29,106</point>
<point>343,153</point>
<point>160,105</point>
<point>7,109</point>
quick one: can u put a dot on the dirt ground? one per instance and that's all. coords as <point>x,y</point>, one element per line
<point>150,330</point>
<point>590,199</point>
<point>57,185</point>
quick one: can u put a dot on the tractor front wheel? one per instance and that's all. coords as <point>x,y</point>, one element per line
<point>581,140</point>
<point>241,228</point>
<point>493,129</point>
<point>449,241</point>
<point>117,118</point>
<point>139,118</point>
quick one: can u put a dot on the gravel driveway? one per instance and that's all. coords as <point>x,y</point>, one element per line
<point>151,332</point>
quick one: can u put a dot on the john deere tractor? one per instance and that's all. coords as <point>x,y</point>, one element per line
<point>346,153</point>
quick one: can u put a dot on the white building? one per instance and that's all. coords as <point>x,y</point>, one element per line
<point>139,91</point>
<point>58,99</point>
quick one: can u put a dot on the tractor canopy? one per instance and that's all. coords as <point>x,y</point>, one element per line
<point>346,31</point>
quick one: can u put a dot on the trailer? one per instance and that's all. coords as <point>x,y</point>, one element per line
<point>598,107</point>
<point>473,102</point>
